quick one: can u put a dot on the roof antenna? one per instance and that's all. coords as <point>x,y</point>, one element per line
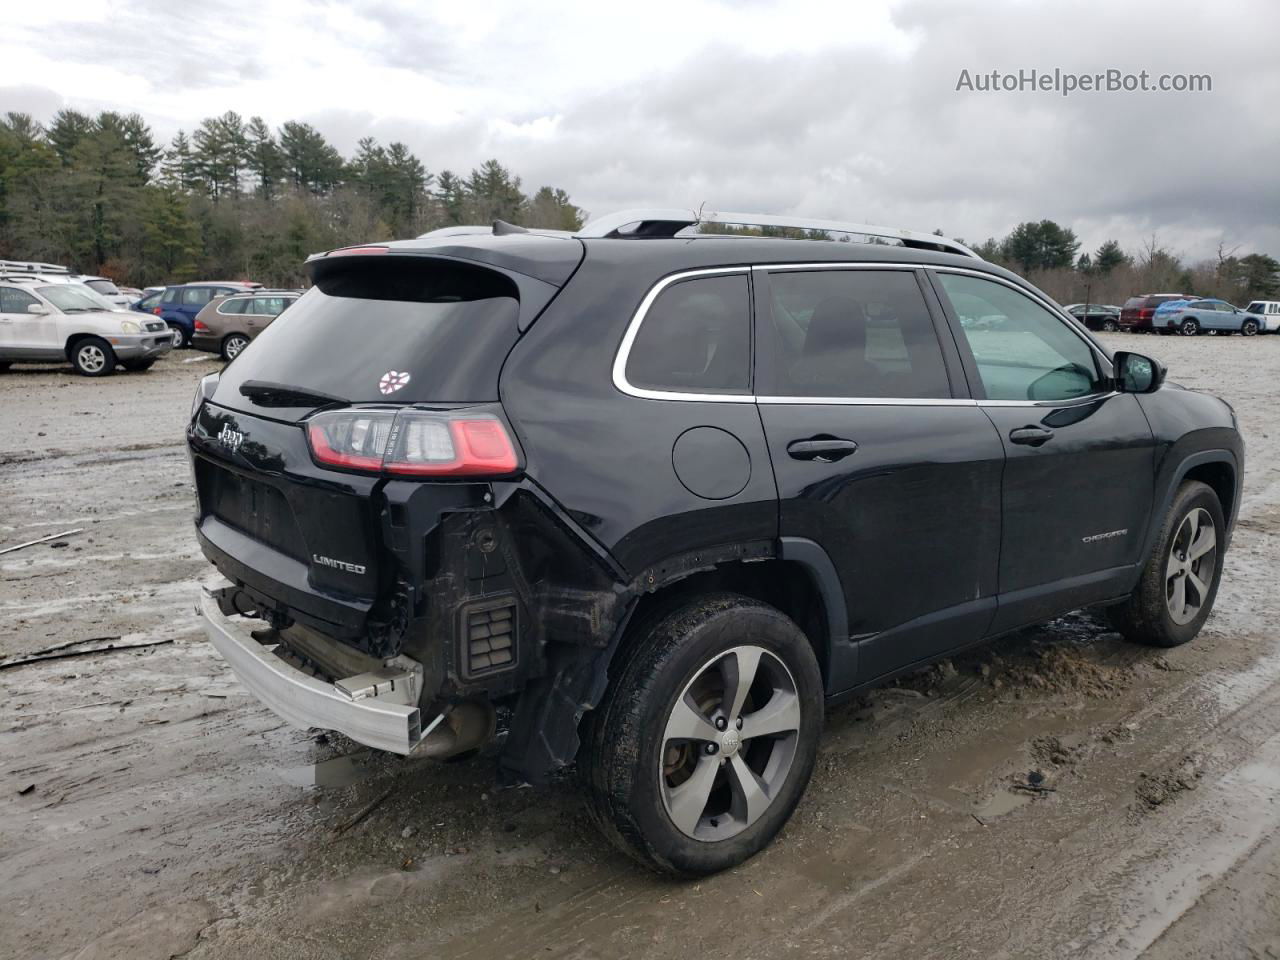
<point>501,228</point>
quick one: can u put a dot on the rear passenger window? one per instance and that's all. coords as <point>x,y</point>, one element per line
<point>854,334</point>
<point>232,306</point>
<point>695,338</point>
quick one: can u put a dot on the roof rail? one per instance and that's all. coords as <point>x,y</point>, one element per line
<point>31,266</point>
<point>669,222</point>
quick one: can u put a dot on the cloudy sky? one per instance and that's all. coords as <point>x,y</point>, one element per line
<point>837,110</point>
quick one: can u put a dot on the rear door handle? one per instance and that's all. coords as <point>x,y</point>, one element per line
<point>1030,436</point>
<point>821,449</point>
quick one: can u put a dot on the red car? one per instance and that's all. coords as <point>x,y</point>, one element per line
<point>1137,312</point>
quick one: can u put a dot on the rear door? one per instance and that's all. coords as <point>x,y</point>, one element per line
<point>1079,474</point>
<point>881,458</point>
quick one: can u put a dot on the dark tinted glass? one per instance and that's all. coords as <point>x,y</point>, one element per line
<point>447,326</point>
<point>696,338</point>
<point>854,333</point>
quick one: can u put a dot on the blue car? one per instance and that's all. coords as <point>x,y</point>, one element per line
<point>178,305</point>
<point>1191,317</point>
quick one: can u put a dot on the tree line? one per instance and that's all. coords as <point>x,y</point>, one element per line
<point>234,199</point>
<point>1049,255</point>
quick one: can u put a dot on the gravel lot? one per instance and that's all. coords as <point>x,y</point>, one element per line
<point>150,808</point>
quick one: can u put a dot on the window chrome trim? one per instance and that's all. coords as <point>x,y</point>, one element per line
<point>633,328</point>
<point>873,401</point>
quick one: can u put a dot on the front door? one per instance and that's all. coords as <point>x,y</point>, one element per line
<point>1080,470</point>
<point>880,458</point>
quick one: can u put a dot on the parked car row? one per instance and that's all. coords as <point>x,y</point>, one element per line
<point>48,313</point>
<point>1189,315</point>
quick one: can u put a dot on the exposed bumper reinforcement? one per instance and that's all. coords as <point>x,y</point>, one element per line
<point>368,714</point>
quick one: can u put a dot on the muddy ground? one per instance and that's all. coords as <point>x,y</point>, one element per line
<point>149,808</point>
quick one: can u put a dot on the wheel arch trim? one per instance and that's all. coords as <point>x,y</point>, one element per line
<point>1179,473</point>
<point>840,655</point>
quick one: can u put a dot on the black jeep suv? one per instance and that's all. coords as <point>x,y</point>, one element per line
<point>658,496</point>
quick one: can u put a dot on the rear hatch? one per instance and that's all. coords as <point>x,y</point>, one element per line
<point>289,494</point>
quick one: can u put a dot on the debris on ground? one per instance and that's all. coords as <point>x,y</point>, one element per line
<point>52,536</point>
<point>1033,783</point>
<point>1154,790</point>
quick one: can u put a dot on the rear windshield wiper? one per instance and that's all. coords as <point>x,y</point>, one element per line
<point>282,395</point>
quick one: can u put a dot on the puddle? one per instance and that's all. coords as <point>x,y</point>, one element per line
<point>1002,802</point>
<point>338,772</point>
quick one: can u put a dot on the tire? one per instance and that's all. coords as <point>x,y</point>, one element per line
<point>178,336</point>
<point>1148,615</point>
<point>93,357</point>
<point>681,667</point>
<point>137,366</point>
<point>1249,328</point>
<point>232,346</point>
<point>1189,327</point>
<point>1110,326</point>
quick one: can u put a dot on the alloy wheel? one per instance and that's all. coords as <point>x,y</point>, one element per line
<point>233,347</point>
<point>1193,555</point>
<point>1249,328</point>
<point>90,358</point>
<point>175,337</point>
<point>1190,328</point>
<point>729,743</point>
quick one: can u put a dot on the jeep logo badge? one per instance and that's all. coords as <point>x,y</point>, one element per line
<point>229,438</point>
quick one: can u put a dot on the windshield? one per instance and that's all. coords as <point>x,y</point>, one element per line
<point>73,298</point>
<point>104,287</point>
<point>390,331</point>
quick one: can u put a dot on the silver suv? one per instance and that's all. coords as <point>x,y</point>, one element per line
<point>43,320</point>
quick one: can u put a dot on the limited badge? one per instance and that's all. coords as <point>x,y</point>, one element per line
<point>392,381</point>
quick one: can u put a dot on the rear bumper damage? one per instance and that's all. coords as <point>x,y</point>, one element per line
<point>378,711</point>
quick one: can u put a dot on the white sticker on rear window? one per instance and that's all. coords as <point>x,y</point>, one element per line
<point>392,381</point>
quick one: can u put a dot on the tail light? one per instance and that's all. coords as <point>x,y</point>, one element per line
<point>156,311</point>
<point>201,327</point>
<point>413,443</point>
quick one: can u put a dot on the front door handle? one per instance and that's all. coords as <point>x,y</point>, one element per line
<point>821,449</point>
<point>1031,436</point>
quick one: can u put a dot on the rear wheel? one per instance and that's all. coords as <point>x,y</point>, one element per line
<point>1180,580</point>
<point>1110,326</point>
<point>178,336</point>
<point>707,738</point>
<point>93,357</point>
<point>1189,328</point>
<point>1249,328</point>
<point>232,346</point>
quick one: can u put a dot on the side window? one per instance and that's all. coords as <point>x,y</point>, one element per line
<point>172,295</point>
<point>1023,352</point>
<point>13,300</point>
<point>696,338</point>
<point>233,306</point>
<point>854,333</point>
<point>271,306</point>
<point>196,296</point>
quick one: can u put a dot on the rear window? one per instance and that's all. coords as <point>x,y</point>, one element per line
<point>1133,303</point>
<point>391,329</point>
<point>105,287</point>
<point>695,338</point>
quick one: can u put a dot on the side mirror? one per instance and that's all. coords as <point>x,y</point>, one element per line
<point>1135,373</point>
<point>37,308</point>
